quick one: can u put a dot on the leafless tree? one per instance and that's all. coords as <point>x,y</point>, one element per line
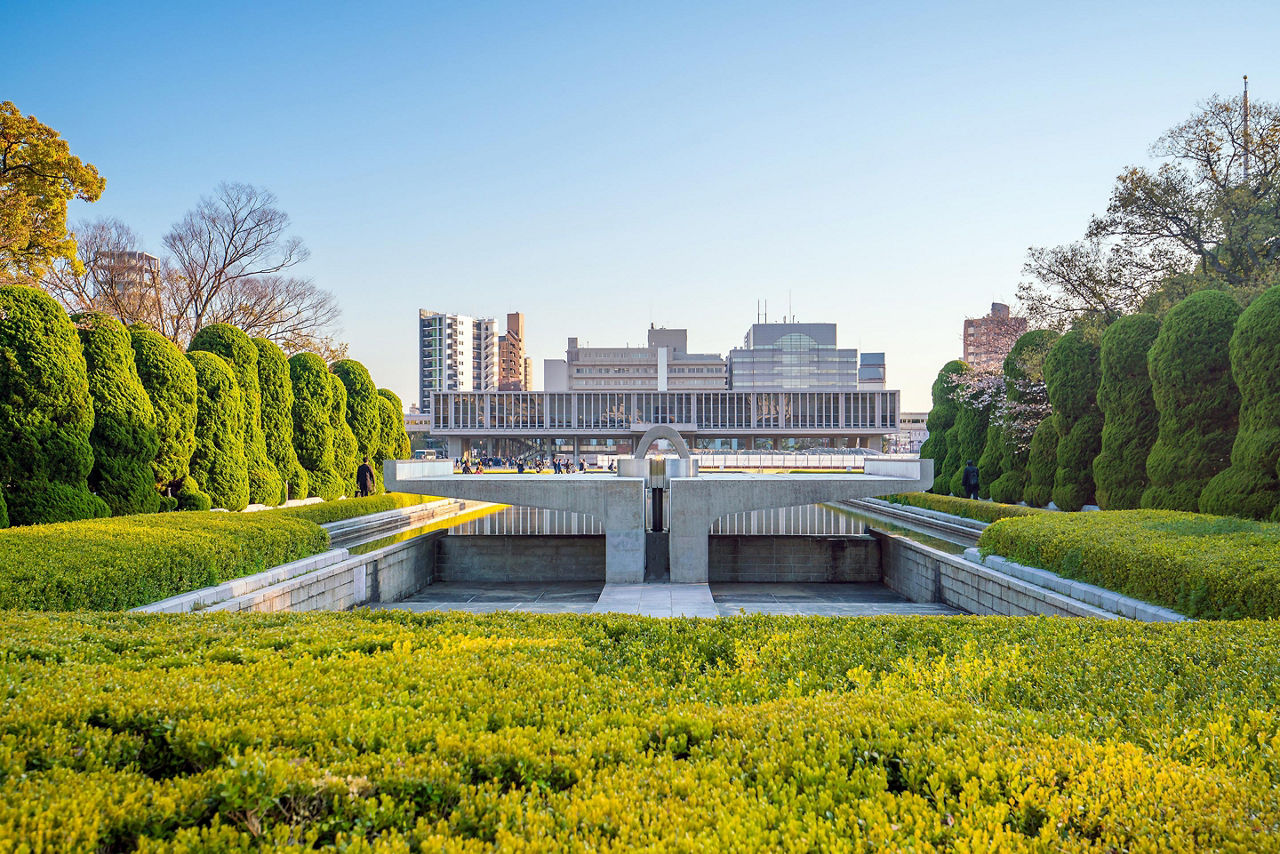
<point>1089,278</point>
<point>235,235</point>
<point>291,311</point>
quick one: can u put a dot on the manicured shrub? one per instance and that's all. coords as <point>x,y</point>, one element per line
<point>1208,567</point>
<point>393,441</point>
<point>113,564</point>
<point>1042,464</point>
<point>277,418</point>
<point>265,486</point>
<point>350,508</point>
<point>362,406</point>
<point>345,449</point>
<point>941,418</point>
<point>1250,487</point>
<point>966,437</point>
<point>1196,398</point>
<point>1128,412</point>
<point>170,383</point>
<point>989,464</point>
<point>1026,405</point>
<point>983,511</point>
<point>4,511</point>
<point>46,414</point>
<point>312,428</point>
<point>190,497</point>
<point>218,463</point>
<point>1071,375</point>
<point>390,732</point>
<point>124,437</point>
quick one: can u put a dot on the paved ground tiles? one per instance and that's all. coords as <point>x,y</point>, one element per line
<point>666,600</point>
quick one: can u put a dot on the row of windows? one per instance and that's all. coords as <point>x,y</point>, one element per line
<point>699,410</point>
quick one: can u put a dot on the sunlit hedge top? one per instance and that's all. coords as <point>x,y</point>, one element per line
<point>362,405</point>
<point>170,383</point>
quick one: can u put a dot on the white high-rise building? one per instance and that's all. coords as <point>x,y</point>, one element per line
<point>455,353</point>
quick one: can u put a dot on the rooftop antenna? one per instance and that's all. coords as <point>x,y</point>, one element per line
<point>1246,129</point>
<point>766,311</point>
<point>793,317</point>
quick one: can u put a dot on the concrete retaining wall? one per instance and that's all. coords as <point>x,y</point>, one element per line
<point>792,559</point>
<point>924,574</point>
<point>520,558</point>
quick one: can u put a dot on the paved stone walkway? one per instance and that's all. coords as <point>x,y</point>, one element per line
<point>666,600</point>
<point>657,600</point>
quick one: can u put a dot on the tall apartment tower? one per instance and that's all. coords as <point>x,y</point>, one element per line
<point>987,340</point>
<point>512,372</point>
<point>455,353</point>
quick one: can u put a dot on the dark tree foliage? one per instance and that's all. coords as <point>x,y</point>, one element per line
<point>277,418</point>
<point>941,418</point>
<point>4,511</point>
<point>124,437</point>
<point>345,449</point>
<point>1250,487</point>
<point>1196,398</point>
<point>1026,405</point>
<point>46,414</point>
<point>393,441</point>
<point>170,383</point>
<point>1042,464</point>
<point>362,405</point>
<point>312,430</point>
<point>237,349</point>
<point>218,464</point>
<point>965,439</point>
<point>989,464</point>
<point>1071,374</point>
<point>1128,412</point>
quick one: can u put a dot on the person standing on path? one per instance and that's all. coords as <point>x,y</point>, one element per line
<point>364,479</point>
<point>969,482</point>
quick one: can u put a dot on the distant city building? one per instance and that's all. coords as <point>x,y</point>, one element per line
<point>513,367</point>
<point>800,357</point>
<point>664,365</point>
<point>987,340</point>
<point>456,353</point>
<point>123,272</point>
<point>911,433</point>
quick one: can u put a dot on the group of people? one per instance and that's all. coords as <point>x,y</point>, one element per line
<point>520,464</point>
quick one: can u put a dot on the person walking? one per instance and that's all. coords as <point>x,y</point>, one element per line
<point>364,479</point>
<point>969,481</point>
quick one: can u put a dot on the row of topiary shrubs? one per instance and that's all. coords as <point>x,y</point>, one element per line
<point>1177,414</point>
<point>384,732</point>
<point>1208,567</point>
<point>100,420</point>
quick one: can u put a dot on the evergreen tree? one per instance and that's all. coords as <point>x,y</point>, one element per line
<point>218,464</point>
<point>1197,400</point>
<point>237,349</point>
<point>1072,374</point>
<point>124,437</point>
<point>46,414</point>
<point>393,441</point>
<point>312,429</point>
<point>941,418</point>
<point>1042,464</point>
<point>1026,405</point>
<point>170,384</point>
<point>362,405</point>
<point>965,439</point>
<point>277,418</point>
<point>989,464</point>
<point>1128,412</point>
<point>1250,487</point>
<point>345,450</point>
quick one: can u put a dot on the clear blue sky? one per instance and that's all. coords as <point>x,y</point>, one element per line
<point>603,165</point>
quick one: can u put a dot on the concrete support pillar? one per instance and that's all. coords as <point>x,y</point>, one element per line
<point>455,447</point>
<point>577,443</point>
<point>689,542</point>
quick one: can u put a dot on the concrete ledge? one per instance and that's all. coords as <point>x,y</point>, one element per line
<point>348,532</point>
<point>961,521</point>
<point>1100,597</point>
<point>207,597</point>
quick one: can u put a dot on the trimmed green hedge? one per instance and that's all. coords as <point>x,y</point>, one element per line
<point>114,564</point>
<point>1071,374</point>
<point>346,450</point>
<point>336,511</point>
<point>170,383</point>
<point>1197,399</point>
<point>217,464</point>
<point>277,418</point>
<point>1214,567</point>
<point>1042,464</point>
<point>232,344</point>
<point>983,511</point>
<point>1128,410</point>
<point>124,437</point>
<point>46,414</point>
<point>941,418</point>
<point>1251,487</point>
<point>384,732</point>
<point>312,430</point>
<point>362,405</point>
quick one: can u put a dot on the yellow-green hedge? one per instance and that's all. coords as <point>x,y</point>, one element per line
<point>983,511</point>
<point>460,733</point>
<point>1211,567</point>
<point>349,508</point>
<point>115,564</point>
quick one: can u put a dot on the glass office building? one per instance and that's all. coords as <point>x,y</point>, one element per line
<point>800,357</point>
